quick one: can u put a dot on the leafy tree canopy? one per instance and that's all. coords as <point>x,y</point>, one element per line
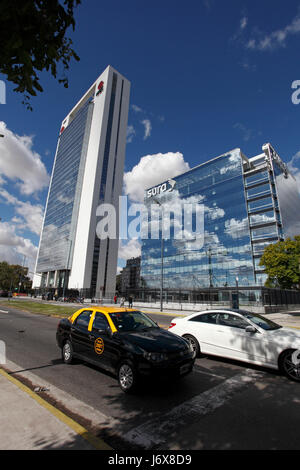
<point>33,39</point>
<point>281,261</point>
<point>13,274</point>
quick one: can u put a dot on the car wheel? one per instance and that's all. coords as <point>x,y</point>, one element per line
<point>194,343</point>
<point>289,365</point>
<point>127,377</point>
<point>67,352</point>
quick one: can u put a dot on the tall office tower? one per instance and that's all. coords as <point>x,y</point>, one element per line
<point>248,203</point>
<point>87,172</point>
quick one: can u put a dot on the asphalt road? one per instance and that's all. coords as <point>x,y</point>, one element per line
<point>221,405</point>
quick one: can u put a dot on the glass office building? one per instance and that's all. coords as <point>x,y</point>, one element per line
<point>247,203</point>
<point>87,171</point>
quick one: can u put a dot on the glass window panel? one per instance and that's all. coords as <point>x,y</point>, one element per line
<point>264,232</point>
<point>205,318</point>
<point>83,319</point>
<point>227,319</point>
<point>259,247</point>
<point>260,204</point>
<point>261,189</point>
<point>100,322</point>
<point>258,177</point>
<point>262,218</point>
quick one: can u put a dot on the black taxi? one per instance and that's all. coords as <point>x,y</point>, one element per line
<point>125,342</point>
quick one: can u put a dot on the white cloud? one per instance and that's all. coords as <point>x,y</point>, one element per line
<point>152,170</point>
<point>130,134</point>
<point>19,163</point>
<point>247,133</point>
<point>276,38</point>
<point>148,128</point>
<point>119,269</point>
<point>131,249</point>
<point>13,248</point>
<point>237,228</point>
<point>294,167</point>
<point>32,215</point>
<point>243,22</point>
<point>136,108</point>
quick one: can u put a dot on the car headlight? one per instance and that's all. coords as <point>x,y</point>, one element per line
<point>155,357</point>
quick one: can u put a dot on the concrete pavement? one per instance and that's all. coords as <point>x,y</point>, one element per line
<point>28,422</point>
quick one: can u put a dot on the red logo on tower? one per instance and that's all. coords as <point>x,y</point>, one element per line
<point>100,88</point>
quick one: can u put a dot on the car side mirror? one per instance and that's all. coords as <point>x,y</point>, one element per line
<point>250,329</point>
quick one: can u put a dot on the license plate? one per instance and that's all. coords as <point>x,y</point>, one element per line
<point>184,369</point>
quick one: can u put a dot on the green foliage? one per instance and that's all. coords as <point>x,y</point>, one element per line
<point>281,261</point>
<point>32,38</point>
<point>11,275</point>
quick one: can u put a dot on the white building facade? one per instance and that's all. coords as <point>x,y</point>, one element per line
<point>87,172</point>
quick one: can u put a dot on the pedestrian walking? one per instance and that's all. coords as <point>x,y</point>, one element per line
<point>122,302</point>
<point>130,301</point>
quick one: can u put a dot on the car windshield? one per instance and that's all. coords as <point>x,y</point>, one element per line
<point>259,320</point>
<point>132,321</point>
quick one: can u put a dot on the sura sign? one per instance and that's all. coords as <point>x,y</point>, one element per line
<point>161,188</point>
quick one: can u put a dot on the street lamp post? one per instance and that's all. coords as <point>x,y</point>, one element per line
<point>237,291</point>
<point>161,255</point>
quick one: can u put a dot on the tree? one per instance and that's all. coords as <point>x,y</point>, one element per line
<point>33,39</point>
<point>13,274</point>
<point>281,261</point>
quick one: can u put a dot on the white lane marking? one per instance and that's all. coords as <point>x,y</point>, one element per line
<point>156,431</point>
<point>198,370</point>
<point>3,311</point>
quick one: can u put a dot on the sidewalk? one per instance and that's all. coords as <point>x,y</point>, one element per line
<point>290,319</point>
<point>30,423</point>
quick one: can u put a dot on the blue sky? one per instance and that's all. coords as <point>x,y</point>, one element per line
<point>206,76</point>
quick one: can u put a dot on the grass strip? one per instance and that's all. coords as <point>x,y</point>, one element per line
<point>40,308</point>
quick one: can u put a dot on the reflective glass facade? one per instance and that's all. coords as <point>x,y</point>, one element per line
<point>64,194</point>
<point>248,204</point>
<point>87,172</point>
<point>226,251</point>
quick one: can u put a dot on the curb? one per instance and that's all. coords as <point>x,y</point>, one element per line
<point>97,443</point>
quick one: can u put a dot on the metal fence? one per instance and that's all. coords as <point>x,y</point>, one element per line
<point>223,296</point>
<point>229,296</point>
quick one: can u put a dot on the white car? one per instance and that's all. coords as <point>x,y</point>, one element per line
<point>244,336</point>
